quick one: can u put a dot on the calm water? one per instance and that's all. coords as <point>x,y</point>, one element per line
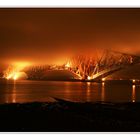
<point>30,91</point>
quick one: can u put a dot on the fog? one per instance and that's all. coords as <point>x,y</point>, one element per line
<point>48,36</point>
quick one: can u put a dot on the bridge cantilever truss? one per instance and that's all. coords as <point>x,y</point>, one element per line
<point>108,61</point>
<point>84,67</point>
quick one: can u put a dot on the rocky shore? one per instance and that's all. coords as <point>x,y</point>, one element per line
<point>64,116</point>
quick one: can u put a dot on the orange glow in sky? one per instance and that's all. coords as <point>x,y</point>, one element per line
<point>13,71</point>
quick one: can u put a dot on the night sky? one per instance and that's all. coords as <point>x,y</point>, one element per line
<point>54,35</point>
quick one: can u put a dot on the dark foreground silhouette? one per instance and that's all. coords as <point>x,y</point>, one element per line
<point>63,116</point>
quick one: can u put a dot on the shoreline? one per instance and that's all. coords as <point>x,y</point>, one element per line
<point>65,116</point>
<point>129,81</point>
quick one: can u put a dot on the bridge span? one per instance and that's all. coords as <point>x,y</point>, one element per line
<point>108,62</point>
<point>82,67</point>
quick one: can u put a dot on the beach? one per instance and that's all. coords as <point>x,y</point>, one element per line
<point>65,116</point>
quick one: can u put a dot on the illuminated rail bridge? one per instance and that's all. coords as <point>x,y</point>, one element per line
<point>108,62</point>
<point>88,68</point>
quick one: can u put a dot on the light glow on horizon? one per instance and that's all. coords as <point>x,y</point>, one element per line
<point>103,79</point>
<point>14,72</point>
<point>89,78</point>
<point>133,80</point>
<point>15,76</point>
<point>68,65</point>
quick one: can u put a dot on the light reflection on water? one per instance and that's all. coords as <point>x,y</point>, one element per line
<point>133,93</point>
<point>88,92</point>
<point>103,92</point>
<point>31,91</point>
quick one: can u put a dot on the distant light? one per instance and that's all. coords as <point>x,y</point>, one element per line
<point>133,101</point>
<point>13,72</point>
<point>89,78</point>
<point>67,65</point>
<point>133,80</point>
<point>15,76</point>
<point>103,79</point>
<point>9,76</point>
